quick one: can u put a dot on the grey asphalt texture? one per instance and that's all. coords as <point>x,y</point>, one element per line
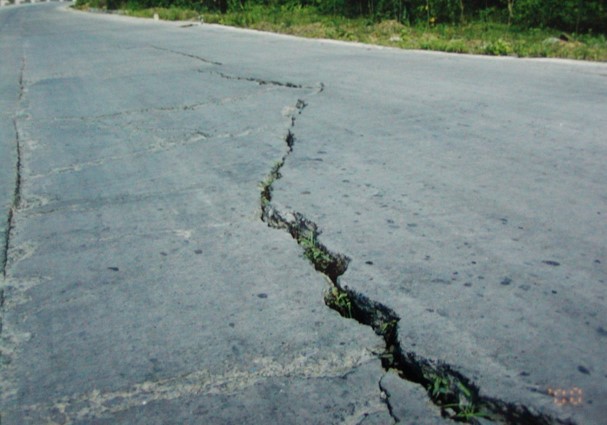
<point>141,285</point>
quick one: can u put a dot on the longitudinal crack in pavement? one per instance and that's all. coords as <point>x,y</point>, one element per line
<point>452,392</point>
<point>17,190</point>
<point>15,204</point>
<point>16,199</point>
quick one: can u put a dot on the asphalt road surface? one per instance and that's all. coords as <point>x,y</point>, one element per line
<point>155,179</point>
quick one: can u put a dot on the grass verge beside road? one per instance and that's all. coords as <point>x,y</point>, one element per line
<point>475,37</point>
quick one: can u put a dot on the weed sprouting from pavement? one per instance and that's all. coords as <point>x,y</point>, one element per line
<point>440,387</point>
<point>314,252</point>
<point>454,398</point>
<point>266,184</point>
<point>339,300</point>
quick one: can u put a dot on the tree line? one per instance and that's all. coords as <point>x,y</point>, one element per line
<point>578,16</point>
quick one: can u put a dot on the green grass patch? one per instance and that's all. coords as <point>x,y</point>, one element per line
<point>475,37</point>
<point>481,37</point>
<point>166,14</point>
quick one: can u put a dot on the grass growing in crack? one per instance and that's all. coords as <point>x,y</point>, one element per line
<point>275,172</point>
<point>339,300</point>
<point>314,252</point>
<point>466,411</point>
<point>441,386</point>
<point>470,411</point>
<point>443,390</point>
<point>266,184</point>
<point>387,358</point>
<point>386,328</point>
<point>272,176</point>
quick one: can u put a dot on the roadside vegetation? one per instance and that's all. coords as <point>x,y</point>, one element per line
<point>575,29</point>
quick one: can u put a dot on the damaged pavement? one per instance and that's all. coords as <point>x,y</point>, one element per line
<point>212,226</point>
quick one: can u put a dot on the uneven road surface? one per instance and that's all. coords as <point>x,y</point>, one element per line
<point>202,225</point>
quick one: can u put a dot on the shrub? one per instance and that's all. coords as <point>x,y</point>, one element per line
<point>498,47</point>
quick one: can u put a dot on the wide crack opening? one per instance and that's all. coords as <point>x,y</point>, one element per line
<point>454,394</point>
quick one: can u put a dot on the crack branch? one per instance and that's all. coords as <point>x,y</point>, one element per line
<point>187,55</point>
<point>188,107</point>
<point>95,403</point>
<point>385,397</point>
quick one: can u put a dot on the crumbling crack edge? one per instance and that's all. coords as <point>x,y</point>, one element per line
<point>260,81</point>
<point>458,393</point>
